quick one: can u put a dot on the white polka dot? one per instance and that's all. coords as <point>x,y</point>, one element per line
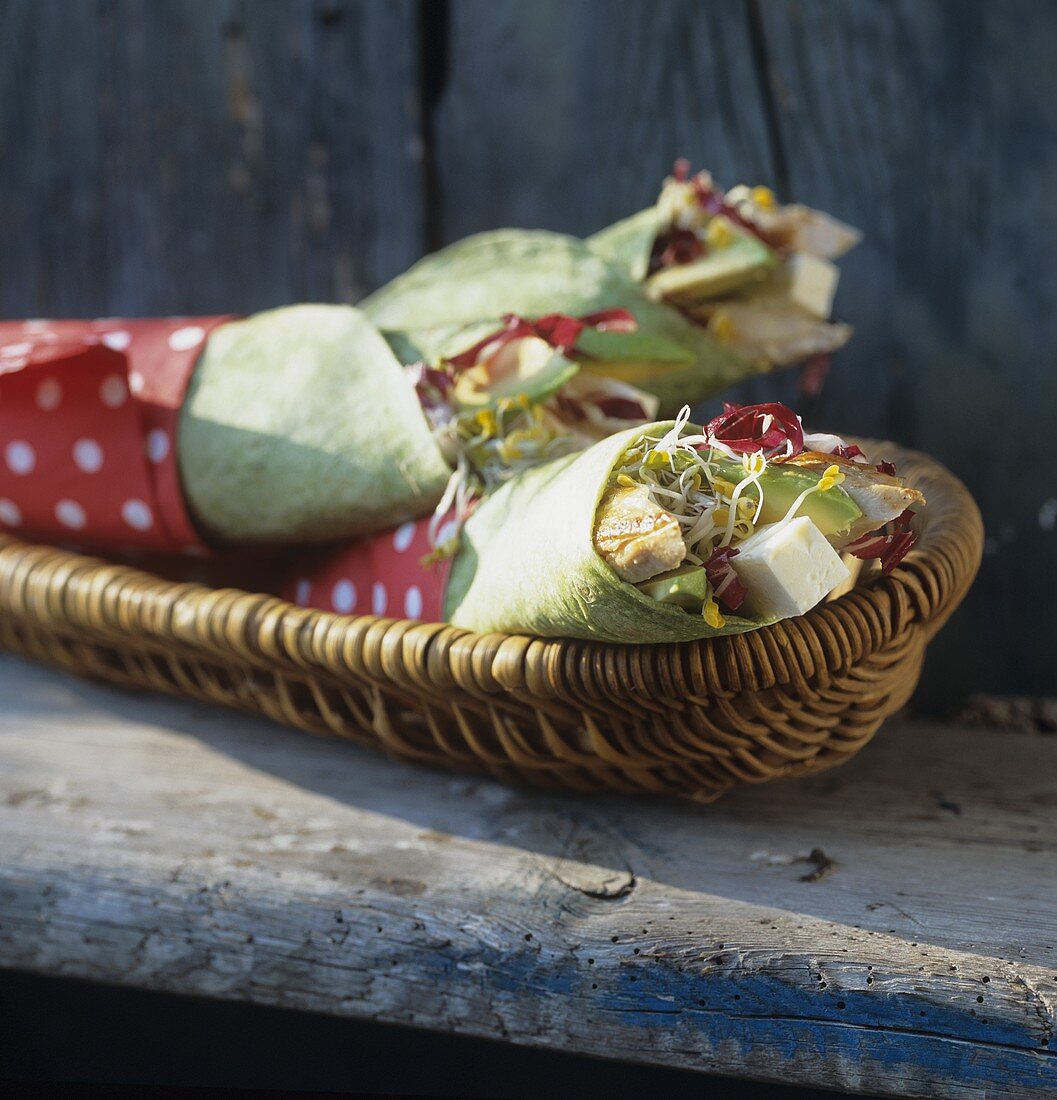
<point>157,445</point>
<point>447,532</point>
<point>88,456</point>
<point>20,457</point>
<point>343,597</point>
<point>117,340</point>
<point>10,513</point>
<point>15,351</point>
<point>379,598</point>
<point>404,534</point>
<point>70,514</point>
<point>137,514</point>
<point>35,324</point>
<point>49,395</point>
<point>304,591</point>
<point>413,602</point>
<point>183,339</point>
<point>136,381</point>
<point>113,392</point>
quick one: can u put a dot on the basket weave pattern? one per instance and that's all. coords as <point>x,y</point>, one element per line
<point>691,719</point>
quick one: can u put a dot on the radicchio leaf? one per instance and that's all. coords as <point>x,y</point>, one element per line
<point>676,246</point>
<point>746,429</point>
<point>432,386</point>
<point>514,328</point>
<point>558,329</point>
<point>611,320</point>
<point>889,549</point>
<point>727,586</point>
<point>886,467</point>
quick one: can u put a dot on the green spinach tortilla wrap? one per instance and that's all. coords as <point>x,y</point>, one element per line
<point>659,533</point>
<point>451,295</point>
<point>301,425</point>
<point>724,285</point>
<point>756,274</point>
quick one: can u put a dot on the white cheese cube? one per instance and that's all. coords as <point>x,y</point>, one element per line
<point>787,569</point>
<point>813,283</point>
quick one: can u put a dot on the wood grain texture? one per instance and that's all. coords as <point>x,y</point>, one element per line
<point>199,156</point>
<point>933,127</point>
<point>567,115</point>
<point>166,846</point>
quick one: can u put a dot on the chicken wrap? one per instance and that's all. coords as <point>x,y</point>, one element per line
<point>758,275</point>
<point>301,425</point>
<point>659,533</point>
<point>451,295</point>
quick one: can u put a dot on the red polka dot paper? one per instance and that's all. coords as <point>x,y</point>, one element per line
<point>382,575</point>
<point>88,414</point>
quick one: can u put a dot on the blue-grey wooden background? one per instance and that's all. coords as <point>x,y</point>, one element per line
<point>211,155</point>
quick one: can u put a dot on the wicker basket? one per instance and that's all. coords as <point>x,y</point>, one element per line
<point>691,719</point>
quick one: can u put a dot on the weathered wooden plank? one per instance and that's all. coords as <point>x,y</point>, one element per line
<point>168,846</point>
<point>201,156</point>
<point>567,116</point>
<point>933,127</point>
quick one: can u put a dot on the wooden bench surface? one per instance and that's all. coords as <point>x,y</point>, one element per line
<point>888,926</point>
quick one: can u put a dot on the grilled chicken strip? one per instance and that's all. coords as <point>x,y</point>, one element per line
<point>881,497</point>
<point>635,537</point>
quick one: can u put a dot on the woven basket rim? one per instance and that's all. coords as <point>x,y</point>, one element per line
<point>60,588</point>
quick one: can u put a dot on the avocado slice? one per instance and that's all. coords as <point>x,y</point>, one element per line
<point>719,272</point>
<point>686,587</point>
<point>630,356</point>
<point>833,512</point>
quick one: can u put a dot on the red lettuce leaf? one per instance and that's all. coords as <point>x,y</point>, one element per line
<point>558,329</point>
<point>727,586</point>
<point>889,549</point>
<point>746,429</point>
<point>611,320</point>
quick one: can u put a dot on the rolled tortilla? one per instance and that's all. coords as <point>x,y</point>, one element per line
<point>300,425</point>
<point>465,288</point>
<point>528,564</point>
<point>765,295</point>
